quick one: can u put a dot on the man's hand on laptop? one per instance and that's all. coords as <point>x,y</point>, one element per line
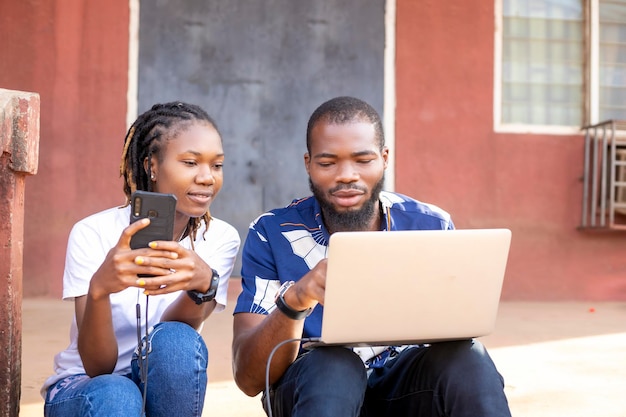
<point>309,290</point>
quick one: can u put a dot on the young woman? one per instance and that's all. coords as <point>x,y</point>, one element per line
<point>173,148</point>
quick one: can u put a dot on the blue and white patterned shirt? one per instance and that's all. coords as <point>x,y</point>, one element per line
<point>285,243</point>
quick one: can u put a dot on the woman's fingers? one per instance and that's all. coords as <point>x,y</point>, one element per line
<point>163,284</point>
<point>130,230</point>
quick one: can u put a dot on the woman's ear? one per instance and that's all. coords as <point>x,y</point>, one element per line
<point>149,168</point>
<point>146,168</point>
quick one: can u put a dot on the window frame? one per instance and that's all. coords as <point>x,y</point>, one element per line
<point>591,73</point>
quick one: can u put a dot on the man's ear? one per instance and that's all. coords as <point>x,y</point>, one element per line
<point>385,155</point>
<point>307,162</point>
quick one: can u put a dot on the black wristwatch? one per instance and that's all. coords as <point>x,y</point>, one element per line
<point>200,297</point>
<point>284,308</point>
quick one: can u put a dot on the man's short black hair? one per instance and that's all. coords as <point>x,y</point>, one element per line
<point>341,110</point>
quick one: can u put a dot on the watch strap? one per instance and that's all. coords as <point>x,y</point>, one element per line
<point>284,308</point>
<point>200,297</point>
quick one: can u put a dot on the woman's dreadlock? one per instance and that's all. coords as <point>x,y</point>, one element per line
<point>147,137</point>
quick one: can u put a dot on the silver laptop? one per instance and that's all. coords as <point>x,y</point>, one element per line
<point>411,287</point>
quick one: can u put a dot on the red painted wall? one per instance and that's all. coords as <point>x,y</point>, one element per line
<point>74,53</point>
<point>447,153</point>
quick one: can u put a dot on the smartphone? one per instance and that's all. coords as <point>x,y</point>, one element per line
<point>160,209</point>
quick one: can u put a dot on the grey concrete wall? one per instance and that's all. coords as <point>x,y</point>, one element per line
<point>260,68</point>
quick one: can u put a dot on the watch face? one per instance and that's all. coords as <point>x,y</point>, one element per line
<point>285,308</point>
<point>283,288</point>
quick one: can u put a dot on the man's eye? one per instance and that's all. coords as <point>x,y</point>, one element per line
<point>325,164</point>
<point>364,161</point>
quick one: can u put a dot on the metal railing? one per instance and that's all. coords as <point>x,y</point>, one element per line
<point>604,177</point>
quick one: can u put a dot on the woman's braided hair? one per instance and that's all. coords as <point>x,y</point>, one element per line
<point>147,137</point>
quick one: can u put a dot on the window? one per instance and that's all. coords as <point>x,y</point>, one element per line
<point>612,71</point>
<point>560,64</point>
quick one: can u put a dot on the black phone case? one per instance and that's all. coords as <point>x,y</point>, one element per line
<point>160,208</point>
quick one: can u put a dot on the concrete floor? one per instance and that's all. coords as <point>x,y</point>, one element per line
<point>565,359</point>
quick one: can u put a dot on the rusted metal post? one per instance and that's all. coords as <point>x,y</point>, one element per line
<point>19,147</point>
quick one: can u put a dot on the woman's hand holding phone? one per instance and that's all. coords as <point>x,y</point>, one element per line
<point>121,266</point>
<point>175,268</point>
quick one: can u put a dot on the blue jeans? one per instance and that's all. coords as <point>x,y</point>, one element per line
<point>456,379</point>
<point>176,385</point>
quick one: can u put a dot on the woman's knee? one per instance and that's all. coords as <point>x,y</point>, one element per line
<point>116,386</point>
<point>177,355</point>
<point>172,332</point>
<point>92,396</point>
<point>168,337</point>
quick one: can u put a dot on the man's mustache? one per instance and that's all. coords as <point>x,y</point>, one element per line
<point>343,187</point>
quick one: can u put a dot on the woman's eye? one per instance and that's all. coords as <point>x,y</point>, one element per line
<point>189,163</point>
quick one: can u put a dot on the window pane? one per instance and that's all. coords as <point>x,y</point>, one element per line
<point>542,62</point>
<point>612,71</point>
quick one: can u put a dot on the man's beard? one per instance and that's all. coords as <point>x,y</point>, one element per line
<point>350,220</point>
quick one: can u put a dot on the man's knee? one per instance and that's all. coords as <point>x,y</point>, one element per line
<point>327,381</point>
<point>463,359</point>
<point>469,352</point>
<point>337,364</point>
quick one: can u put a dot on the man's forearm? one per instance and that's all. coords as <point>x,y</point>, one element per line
<point>253,345</point>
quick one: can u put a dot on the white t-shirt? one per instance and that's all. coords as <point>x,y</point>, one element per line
<point>89,243</point>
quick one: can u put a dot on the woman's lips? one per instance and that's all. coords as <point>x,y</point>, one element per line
<point>200,198</point>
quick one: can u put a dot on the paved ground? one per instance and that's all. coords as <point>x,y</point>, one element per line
<point>564,359</point>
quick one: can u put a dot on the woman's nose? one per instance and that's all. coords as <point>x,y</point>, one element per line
<point>205,176</point>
